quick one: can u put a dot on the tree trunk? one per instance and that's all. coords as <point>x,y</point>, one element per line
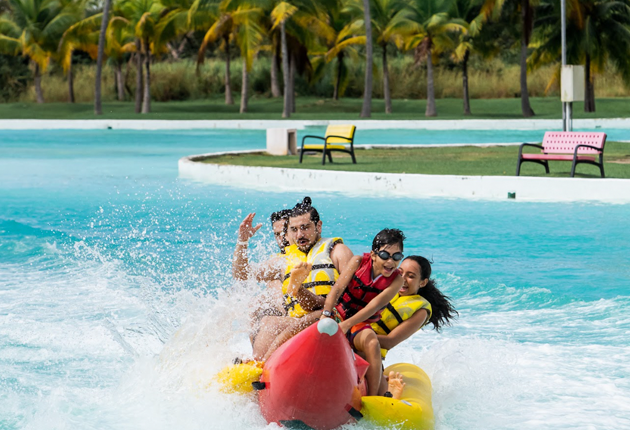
<point>526,14</point>
<point>465,83</point>
<point>120,84</point>
<point>589,86</point>
<point>139,80</point>
<point>292,73</point>
<point>228,88</point>
<point>386,91</point>
<point>275,87</point>
<point>244,89</point>
<point>38,85</point>
<point>70,82</point>
<point>366,109</point>
<point>146,99</point>
<point>98,107</point>
<point>126,77</point>
<point>286,110</point>
<point>338,78</point>
<point>176,52</point>
<point>430,111</point>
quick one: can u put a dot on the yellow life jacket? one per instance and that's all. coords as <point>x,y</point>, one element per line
<point>399,309</point>
<point>320,280</point>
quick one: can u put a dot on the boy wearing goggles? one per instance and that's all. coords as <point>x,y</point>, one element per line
<point>359,296</point>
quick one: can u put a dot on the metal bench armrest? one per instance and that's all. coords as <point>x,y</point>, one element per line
<point>313,137</point>
<point>575,152</point>
<point>349,139</point>
<point>520,149</point>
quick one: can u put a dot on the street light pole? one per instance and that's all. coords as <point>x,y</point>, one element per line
<point>563,53</point>
<point>567,107</point>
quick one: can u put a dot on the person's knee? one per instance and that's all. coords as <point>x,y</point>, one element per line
<point>372,346</point>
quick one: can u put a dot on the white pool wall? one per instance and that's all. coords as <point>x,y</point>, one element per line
<point>538,189</point>
<point>464,124</point>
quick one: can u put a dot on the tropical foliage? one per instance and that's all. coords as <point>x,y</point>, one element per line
<point>306,40</point>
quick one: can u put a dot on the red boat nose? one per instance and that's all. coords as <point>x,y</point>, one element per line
<point>313,379</point>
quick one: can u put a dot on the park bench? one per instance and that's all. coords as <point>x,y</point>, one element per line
<point>583,147</point>
<point>336,139</point>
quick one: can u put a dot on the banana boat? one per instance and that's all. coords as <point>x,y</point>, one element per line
<point>315,381</point>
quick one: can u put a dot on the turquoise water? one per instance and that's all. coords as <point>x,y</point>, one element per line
<point>116,305</point>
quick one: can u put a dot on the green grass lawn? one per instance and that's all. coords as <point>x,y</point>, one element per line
<point>310,108</point>
<point>464,160</point>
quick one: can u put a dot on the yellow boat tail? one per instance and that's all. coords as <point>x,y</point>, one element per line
<point>238,378</point>
<point>412,412</point>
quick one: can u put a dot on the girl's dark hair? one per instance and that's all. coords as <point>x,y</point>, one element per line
<point>388,236</point>
<point>442,309</point>
<point>304,207</point>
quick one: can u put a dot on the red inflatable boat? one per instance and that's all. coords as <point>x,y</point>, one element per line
<point>314,380</point>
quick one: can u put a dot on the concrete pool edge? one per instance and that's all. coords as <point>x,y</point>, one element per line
<point>445,124</point>
<point>533,189</point>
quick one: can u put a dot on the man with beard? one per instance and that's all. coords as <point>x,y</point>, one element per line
<point>313,265</point>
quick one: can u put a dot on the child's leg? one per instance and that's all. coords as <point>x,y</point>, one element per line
<point>367,342</point>
<point>297,326</point>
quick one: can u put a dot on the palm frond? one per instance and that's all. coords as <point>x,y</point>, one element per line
<point>10,45</point>
<point>282,12</point>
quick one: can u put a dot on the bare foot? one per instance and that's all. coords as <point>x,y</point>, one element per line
<point>395,384</point>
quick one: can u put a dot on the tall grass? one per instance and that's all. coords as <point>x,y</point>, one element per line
<point>183,81</point>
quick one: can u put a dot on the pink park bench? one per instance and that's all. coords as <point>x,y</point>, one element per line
<point>583,147</point>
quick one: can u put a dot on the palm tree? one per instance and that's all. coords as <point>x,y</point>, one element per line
<point>474,14</point>
<point>84,36</point>
<point>598,35</point>
<point>299,25</point>
<point>432,25</point>
<point>222,29</point>
<point>390,28</point>
<point>339,35</point>
<point>144,16</point>
<point>80,36</point>
<point>239,22</point>
<point>366,109</point>
<point>527,20</point>
<point>98,108</point>
<point>249,38</point>
<point>34,28</point>
<point>119,42</point>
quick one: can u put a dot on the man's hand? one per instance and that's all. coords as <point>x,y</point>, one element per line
<point>298,275</point>
<point>246,230</point>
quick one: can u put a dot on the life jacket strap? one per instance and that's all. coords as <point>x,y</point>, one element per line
<point>322,266</point>
<point>289,303</point>
<point>382,325</point>
<point>365,288</point>
<point>317,284</point>
<point>394,312</point>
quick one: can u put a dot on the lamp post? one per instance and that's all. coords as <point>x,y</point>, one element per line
<point>566,106</point>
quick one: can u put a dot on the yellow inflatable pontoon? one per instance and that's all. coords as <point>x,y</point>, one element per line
<point>412,412</point>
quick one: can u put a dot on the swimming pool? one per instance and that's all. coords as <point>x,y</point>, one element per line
<point>105,254</point>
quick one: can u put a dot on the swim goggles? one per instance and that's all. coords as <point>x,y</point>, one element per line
<point>384,255</point>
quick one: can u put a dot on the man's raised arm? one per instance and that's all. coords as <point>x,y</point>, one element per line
<point>240,264</point>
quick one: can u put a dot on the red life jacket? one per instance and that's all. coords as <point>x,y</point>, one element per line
<point>362,289</point>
